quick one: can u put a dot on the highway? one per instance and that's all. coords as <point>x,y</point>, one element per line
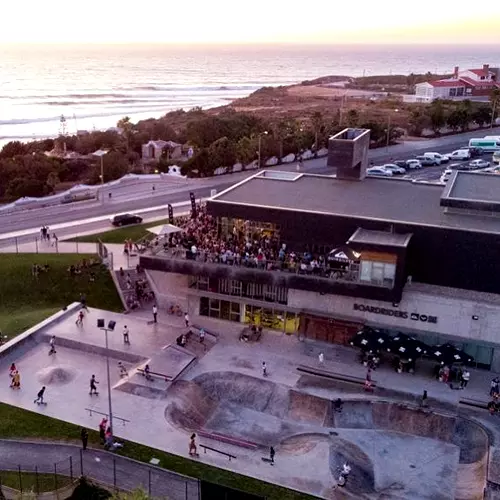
<point>81,217</point>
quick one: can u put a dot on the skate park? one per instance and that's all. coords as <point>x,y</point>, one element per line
<point>394,448</point>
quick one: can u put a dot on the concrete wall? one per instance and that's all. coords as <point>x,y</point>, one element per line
<point>454,315</point>
<point>169,288</point>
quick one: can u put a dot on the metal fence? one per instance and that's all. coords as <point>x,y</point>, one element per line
<point>35,244</point>
<point>112,471</point>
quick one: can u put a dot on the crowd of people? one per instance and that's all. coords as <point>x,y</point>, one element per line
<point>200,240</point>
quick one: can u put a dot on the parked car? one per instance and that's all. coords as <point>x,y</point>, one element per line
<point>400,163</point>
<point>125,220</point>
<point>428,161</point>
<point>438,156</point>
<point>458,166</point>
<point>413,164</point>
<point>475,152</point>
<point>395,169</point>
<point>479,164</point>
<point>460,154</point>
<point>379,171</point>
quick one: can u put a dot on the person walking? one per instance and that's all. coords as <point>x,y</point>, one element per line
<point>155,314</point>
<point>494,386</point>
<point>79,319</point>
<point>84,436</point>
<point>102,429</point>
<point>12,370</point>
<point>52,343</point>
<point>272,452</point>
<point>39,396</point>
<point>465,379</point>
<point>186,319</point>
<point>193,450</point>
<point>264,369</point>
<point>423,401</point>
<point>321,358</point>
<point>93,387</point>
<point>202,335</point>
<point>16,381</point>
<point>126,339</point>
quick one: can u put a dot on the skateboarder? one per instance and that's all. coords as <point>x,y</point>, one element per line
<point>79,319</point>
<point>52,343</point>
<point>93,387</point>
<point>155,314</point>
<point>272,452</point>
<point>193,451</point>
<point>264,369</point>
<point>39,396</point>
<point>84,435</point>
<point>125,335</point>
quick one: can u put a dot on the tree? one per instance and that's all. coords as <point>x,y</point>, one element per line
<point>318,126</point>
<point>465,114</point>
<point>417,122</point>
<point>495,104</point>
<point>280,133</point>
<point>222,153</point>
<point>454,119</point>
<point>11,149</point>
<point>482,116</point>
<point>22,186</point>
<point>52,180</point>
<point>352,118</point>
<point>127,127</point>
<point>245,150</point>
<point>437,116</point>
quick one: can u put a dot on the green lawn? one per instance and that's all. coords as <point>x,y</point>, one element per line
<point>134,233</point>
<point>29,481</point>
<point>19,423</point>
<point>26,300</point>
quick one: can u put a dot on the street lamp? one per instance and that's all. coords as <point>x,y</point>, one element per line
<point>389,129</point>
<point>101,153</point>
<point>111,326</point>
<point>260,145</point>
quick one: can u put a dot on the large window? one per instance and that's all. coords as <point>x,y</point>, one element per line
<point>220,309</point>
<point>378,273</point>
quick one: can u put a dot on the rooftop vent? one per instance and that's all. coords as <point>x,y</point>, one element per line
<point>278,175</point>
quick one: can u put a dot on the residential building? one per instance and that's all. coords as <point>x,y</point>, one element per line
<point>153,150</point>
<point>466,84</point>
<point>389,253</point>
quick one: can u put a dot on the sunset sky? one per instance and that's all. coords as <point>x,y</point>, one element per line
<point>257,21</point>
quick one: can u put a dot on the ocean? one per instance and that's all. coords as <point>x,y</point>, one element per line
<point>95,86</point>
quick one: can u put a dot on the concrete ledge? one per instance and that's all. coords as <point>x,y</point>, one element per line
<point>473,402</point>
<point>29,334</point>
<point>228,440</point>
<point>332,375</point>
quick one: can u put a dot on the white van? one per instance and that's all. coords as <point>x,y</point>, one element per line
<point>493,137</point>
<point>487,145</point>
<point>437,157</point>
<point>460,154</point>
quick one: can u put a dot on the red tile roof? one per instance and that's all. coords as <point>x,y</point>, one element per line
<point>479,72</point>
<point>475,83</point>
<point>446,83</point>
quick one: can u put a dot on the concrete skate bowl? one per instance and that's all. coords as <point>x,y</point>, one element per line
<point>471,439</point>
<point>56,375</point>
<point>243,407</point>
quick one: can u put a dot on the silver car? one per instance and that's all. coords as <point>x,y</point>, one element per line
<point>379,171</point>
<point>394,168</point>
<point>479,164</point>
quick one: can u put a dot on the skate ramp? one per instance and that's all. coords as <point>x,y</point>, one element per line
<point>302,443</point>
<point>361,480</point>
<point>191,406</point>
<point>354,415</point>
<point>307,408</point>
<point>56,375</point>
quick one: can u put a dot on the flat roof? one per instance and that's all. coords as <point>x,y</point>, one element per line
<point>392,200</point>
<point>368,237</point>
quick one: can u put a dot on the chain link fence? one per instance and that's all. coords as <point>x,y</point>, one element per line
<point>112,471</point>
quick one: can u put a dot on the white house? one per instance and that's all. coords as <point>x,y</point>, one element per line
<point>153,150</point>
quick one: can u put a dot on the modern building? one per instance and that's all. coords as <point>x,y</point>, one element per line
<point>466,84</point>
<point>407,256</point>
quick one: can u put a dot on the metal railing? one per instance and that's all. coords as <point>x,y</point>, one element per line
<point>350,275</point>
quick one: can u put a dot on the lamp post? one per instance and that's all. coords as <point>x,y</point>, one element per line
<point>389,129</point>
<point>260,145</point>
<point>101,153</point>
<point>111,326</point>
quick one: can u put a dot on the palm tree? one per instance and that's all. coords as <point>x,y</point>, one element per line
<point>280,132</point>
<point>317,123</point>
<point>126,125</point>
<point>495,103</point>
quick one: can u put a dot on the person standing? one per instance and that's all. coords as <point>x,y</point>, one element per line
<point>93,387</point>
<point>202,335</point>
<point>264,369</point>
<point>52,343</point>
<point>272,452</point>
<point>465,379</point>
<point>494,386</point>
<point>39,396</point>
<point>193,451</point>
<point>155,314</point>
<point>126,339</point>
<point>102,429</point>
<point>186,319</point>
<point>84,436</point>
<point>79,319</point>
<point>321,358</point>
<point>16,380</point>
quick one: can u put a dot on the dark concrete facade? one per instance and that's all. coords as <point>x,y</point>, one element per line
<point>348,153</point>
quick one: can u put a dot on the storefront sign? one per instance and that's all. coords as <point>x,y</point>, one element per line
<point>396,313</point>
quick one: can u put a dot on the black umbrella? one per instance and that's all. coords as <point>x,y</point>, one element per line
<point>370,340</point>
<point>343,254</point>
<point>447,354</point>
<point>407,347</point>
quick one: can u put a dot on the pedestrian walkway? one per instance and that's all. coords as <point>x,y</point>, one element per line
<point>102,466</point>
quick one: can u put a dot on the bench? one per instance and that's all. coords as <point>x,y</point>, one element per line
<point>248,335</point>
<point>228,440</point>
<point>473,402</point>
<point>205,448</point>
<point>155,374</point>
<point>334,376</point>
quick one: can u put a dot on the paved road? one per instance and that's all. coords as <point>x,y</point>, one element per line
<point>134,197</point>
<point>97,465</point>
